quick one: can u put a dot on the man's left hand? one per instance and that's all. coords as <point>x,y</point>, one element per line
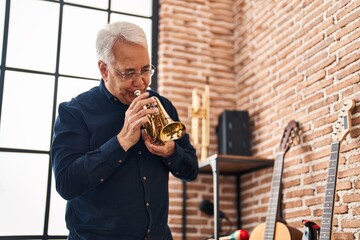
<point>164,151</point>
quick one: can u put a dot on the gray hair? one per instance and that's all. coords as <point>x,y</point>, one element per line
<point>110,34</point>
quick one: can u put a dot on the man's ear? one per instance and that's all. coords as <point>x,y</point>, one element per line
<point>103,70</point>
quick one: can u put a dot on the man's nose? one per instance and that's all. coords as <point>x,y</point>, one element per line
<point>138,79</point>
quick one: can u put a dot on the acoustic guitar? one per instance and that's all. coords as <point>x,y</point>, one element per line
<point>341,128</point>
<point>273,229</point>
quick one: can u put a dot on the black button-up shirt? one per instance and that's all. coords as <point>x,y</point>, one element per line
<point>113,194</point>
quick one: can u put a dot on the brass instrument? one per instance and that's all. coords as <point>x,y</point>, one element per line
<point>201,111</point>
<point>160,127</point>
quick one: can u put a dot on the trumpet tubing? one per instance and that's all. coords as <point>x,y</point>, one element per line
<point>160,127</point>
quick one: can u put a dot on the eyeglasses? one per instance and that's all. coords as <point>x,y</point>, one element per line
<point>131,74</point>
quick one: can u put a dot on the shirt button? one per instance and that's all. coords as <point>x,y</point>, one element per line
<point>101,180</point>
<point>147,204</point>
<point>139,152</point>
<point>148,230</point>
<point>120,161</point>
<point>169,163</point>
<point>144,178</point>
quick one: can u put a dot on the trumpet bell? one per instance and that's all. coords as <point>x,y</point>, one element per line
<point>172,131</point>
<point>160,127</point>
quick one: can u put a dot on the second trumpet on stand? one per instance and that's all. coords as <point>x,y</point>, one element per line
<point>201,111</point>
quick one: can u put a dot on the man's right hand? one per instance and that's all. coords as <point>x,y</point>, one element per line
<point>135,117</point>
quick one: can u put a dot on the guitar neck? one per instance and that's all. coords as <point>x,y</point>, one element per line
<point>272,211</point>
<point>329,202</point>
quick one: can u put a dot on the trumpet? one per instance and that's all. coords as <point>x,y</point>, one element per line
<point>200,110</point>
<point>160,127</point>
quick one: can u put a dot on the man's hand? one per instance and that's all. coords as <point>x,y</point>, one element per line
<point>135,117</point>
<point>165,150</point>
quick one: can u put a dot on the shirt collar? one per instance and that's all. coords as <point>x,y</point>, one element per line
<point>106,92</point>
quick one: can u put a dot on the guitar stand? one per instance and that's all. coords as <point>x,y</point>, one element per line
<point>312,230</point>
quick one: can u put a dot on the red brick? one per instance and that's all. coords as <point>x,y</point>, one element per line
<point>280,61</point>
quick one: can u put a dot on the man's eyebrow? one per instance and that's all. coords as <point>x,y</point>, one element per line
<point>127,70</point>
<point>121,71</point>
<point>132,69</point>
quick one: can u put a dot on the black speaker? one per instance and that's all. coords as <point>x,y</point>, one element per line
<point>234,135</point>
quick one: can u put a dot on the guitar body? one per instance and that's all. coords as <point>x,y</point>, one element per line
<point>282,232</point>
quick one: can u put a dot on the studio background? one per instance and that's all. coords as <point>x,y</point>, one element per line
<point>279,60</point>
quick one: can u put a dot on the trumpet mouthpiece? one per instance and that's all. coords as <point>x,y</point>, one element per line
<point>137,93</point>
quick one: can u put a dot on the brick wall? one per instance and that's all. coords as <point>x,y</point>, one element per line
<point>280,60</point>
